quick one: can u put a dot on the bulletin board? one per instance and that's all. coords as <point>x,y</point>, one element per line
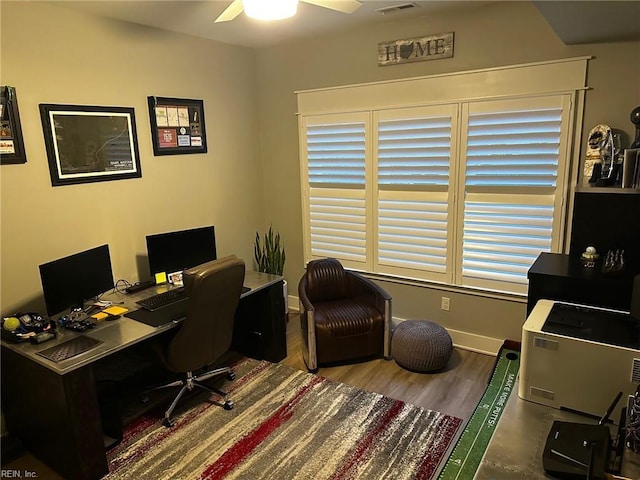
<point>177,126</point>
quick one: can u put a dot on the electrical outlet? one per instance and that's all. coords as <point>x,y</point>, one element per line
<point>444,303</point>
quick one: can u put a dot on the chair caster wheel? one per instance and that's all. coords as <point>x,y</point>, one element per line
<point>231,376</point>
<point>228,405</point>
<point>167,422</point>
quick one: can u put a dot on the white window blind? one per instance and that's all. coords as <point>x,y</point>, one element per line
<point>513,157</point>
<point>336,152</point>
<point>414,151</point>
<point>413,157</point>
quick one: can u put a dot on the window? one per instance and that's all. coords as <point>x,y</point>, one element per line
<point>513,169</point>
<point>465,192</point>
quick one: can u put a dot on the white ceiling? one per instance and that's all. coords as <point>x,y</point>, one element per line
<point>197,18</point>
<point>573,21</point>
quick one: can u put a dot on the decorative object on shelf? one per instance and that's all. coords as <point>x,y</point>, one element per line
<point>593,155</point>
<point>635,119</point>
<point>632,433</point>
<point>177,126</point>
<point>631,168</point>
<point>88,143</point>
<point>589,257</point>
<point>11,142</point>
<point>614,262</point>
<point>602,164</point>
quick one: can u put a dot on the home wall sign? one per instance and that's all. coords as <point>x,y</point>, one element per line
<point>11,142</point>
<point>431,47</point>
<point>177,126</point>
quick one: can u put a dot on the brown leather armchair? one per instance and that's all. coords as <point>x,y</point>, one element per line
<point>344,316</point>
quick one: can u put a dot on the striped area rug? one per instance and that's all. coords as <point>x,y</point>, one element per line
<point>287,424</point>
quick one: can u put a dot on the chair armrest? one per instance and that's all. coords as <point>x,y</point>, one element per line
<point>305,303</point>
<point>365,288</point>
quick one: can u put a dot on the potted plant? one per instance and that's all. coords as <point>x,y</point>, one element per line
<point>270,257</point>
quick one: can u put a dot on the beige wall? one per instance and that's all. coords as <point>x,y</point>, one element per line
<point>250,178</point>
<point>487,36</point>
<point>54,55</point>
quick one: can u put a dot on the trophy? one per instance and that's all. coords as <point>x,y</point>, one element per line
<point>635,119</point>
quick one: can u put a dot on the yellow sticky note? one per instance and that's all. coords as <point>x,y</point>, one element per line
<point>99,316</point>
<point>114,310</point>
<point>161,278</point>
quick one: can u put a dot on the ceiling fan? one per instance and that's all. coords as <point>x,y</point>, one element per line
<point>279,9</point>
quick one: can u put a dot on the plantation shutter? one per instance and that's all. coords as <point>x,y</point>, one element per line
<point>514,155</point>
<point>413,157</point>
<point>335,148</point>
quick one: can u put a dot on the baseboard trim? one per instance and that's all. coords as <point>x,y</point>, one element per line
<point>476,343</point>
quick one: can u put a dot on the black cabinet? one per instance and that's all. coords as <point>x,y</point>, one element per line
<point>260,329</point>
<point>555,276</point>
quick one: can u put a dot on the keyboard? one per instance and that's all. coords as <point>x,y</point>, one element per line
<point>162,299</point>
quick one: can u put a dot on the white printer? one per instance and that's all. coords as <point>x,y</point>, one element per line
<point>579,357</point>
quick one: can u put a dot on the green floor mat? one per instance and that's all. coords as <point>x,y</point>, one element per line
<point>463,462</point>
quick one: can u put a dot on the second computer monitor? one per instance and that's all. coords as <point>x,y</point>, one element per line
<point>69,281</point>
<point>176,251</point>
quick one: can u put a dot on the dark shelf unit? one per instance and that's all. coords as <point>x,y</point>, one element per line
<point>556,276</point>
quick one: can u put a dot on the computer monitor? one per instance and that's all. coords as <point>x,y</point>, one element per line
<point>68,282</point>
<point>176,251</point>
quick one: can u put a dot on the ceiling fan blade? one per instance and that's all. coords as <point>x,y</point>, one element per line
<point>344,6</point>
<point>231,12</point>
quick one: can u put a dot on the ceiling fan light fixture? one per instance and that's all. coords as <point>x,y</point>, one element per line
<point>270,10</point>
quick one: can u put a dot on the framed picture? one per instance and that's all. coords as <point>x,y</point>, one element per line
<point>177,126</point>
<point>90,143</point>
<point>11,142</point>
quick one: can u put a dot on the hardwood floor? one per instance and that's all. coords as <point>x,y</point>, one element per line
<point>454,391</point>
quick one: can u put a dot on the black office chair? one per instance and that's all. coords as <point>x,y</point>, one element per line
<point>204,337</point>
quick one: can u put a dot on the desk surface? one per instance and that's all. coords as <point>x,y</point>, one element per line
<point>515,451</point>
<point>121,333</point>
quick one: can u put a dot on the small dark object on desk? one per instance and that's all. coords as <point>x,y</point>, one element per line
<point>42,337</point>
<point>140,286</point>
<point>77,325</point>
<point>111,317</point>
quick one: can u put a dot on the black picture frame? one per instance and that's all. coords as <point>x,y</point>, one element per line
<point>11,141</point>
<point>87,143</point>
<point>177,125</point>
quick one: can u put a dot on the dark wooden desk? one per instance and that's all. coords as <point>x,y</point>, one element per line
<point>53,408</point>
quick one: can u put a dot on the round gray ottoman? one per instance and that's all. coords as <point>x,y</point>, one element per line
<point>421,346</point>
